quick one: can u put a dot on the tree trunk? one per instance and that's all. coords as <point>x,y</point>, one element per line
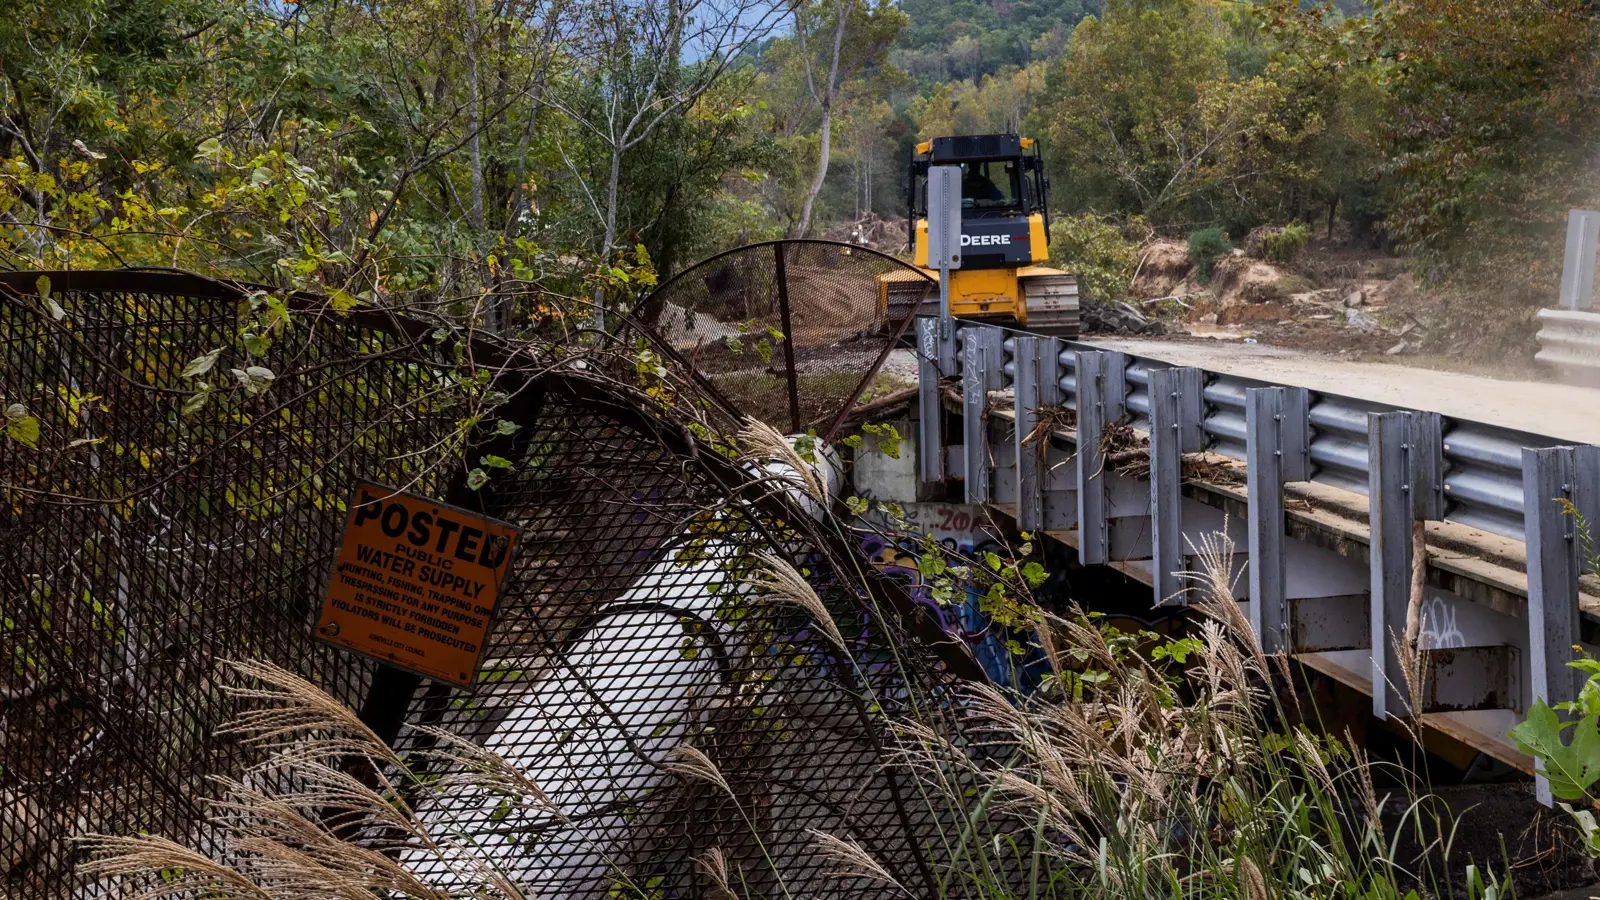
<point>611,231</point>
<point>868,154</point>
<point>612,184</point>
<point>474,119</point>
<point>495,171</point>
<point>535,100</point>
<point>496,317</point>
<point>826,135</point>
<point>819,176</point>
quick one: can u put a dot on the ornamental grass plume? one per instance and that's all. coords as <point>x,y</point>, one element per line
<point>688,761</point>
<point>328,812</point>
<point>779,580</point>
<point>713,864</point>
<point>281,710</point>
<point>853,861</point>
<point>764,443</point>
<point>166,869</point>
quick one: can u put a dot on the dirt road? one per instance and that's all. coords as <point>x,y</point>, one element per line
<point>1559,410</point>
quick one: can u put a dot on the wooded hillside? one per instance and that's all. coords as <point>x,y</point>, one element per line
<point>587,146</point>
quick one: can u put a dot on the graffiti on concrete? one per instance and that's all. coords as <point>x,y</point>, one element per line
<point>959,531</point>
<point>1440,630</point>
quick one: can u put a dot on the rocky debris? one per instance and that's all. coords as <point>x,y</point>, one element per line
<point>1118,318</point>
<point>23,829</point>
<point>1334,298</point>
<point>873,232</point>
<point>1365,324</point>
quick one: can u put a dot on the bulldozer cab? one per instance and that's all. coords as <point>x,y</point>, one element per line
<point>1003,197</point>
<point>991,186</point>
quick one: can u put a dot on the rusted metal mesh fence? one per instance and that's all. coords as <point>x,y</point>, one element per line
<point>793,331</point>
<point>172,490</point>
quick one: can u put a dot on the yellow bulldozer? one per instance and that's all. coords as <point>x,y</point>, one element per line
<point>1005,228</point>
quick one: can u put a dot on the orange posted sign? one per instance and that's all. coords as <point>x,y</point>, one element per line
<point>415,583</point>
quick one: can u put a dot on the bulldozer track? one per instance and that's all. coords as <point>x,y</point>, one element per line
<point>1051,302</point>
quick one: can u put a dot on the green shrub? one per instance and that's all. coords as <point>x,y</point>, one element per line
<point>1282,245</point>
<point>1097,252</point>
<point>1205,247</point>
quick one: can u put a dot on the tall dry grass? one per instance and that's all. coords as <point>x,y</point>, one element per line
<point>331,812</point>
<point>1152,779</point>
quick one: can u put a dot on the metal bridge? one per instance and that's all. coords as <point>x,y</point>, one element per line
<point>1334,504</point>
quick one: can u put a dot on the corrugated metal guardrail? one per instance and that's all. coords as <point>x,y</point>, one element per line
<point>1483,477</point>
<point>1413,466</point>
<point>1569,343</point>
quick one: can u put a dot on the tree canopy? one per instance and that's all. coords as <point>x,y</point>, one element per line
<point>585,145</point>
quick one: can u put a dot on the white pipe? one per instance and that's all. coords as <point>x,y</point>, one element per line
<point>596,730</point>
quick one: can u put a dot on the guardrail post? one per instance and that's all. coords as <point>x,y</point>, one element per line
<point>1175,429</point>
<point>1089,462</point>
<point>1427,466</point>
<point>1277,451</point>
<point>1389,518</point>
<point>1100,391</point>
<point>1404,487</point>
<point>993,341</point>
<point>1116,385</point>
<point>1030,457</point>
<point>1577,270</point>
<point>947,347</point>
<point>1037,374</point>
<point>1264,528</point>
<point>1057,481</point>
<point>1296,429</point>
<point>930,408</point>
<point>974,426</point>
<point>981,372</point>
<point>1547,479</point>
<point>1049,356</point>
<point>1586,498</point>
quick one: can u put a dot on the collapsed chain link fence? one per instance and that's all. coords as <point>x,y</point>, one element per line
<point>795,331</point>
<point>172,489</point>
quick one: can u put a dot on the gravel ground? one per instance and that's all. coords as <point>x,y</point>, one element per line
<point>900,366</point>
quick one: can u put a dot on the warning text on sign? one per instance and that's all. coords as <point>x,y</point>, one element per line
<point>416,583</point>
